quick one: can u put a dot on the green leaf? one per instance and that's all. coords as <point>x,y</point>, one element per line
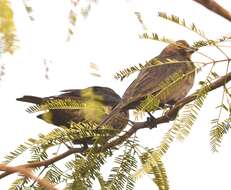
<point>219,129</point>
<point>177,20</point>
<point>153,165</point>
<point>120,176</point>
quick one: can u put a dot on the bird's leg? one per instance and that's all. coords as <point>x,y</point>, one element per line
<point>83,149</point>
<point>151,121</point>
<point>170,104</point>
<point>85,146</point>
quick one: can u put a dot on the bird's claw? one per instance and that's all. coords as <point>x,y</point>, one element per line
<point>151,121</point>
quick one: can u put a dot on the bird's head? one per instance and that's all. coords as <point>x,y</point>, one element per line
<point>180,47</point>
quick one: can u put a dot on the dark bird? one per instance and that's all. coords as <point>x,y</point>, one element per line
<point>99,100</point>
<point>149,79</point>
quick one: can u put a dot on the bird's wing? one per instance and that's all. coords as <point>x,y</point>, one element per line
<point>71,93</point>
<point>98,90</point>
<point>148,82</point>
<point>104,95</point>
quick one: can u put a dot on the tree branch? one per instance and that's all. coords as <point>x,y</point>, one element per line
<point>215,7</point>
<point>137,125</point>
<point>45,162</point>
<point>27,173</point>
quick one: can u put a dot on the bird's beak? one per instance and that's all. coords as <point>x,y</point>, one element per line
<point>191,50</point>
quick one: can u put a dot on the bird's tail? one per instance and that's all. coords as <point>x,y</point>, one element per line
<point>30,99</point>
<point>110,116</point>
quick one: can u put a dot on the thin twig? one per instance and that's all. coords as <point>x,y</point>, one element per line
<point>37,177</point>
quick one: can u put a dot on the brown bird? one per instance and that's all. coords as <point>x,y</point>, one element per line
<point>149,79</point>
<point>99,100</point>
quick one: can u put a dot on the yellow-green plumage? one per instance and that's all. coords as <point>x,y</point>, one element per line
<point>99,101</point>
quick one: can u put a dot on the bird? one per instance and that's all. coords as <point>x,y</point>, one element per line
<point>174,58</point>
<point>100,101</point>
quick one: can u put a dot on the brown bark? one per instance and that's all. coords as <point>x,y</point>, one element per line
<point>25,171</point>
<point>215,7</point>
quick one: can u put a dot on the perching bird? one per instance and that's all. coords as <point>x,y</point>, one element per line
<point>149,79</point>
<point>99,100</point>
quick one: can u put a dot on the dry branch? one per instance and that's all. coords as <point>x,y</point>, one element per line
<point>216,8</point>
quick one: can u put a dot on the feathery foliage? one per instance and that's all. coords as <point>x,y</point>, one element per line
<point>151,63</point>
<point>139,18</point>
<point>160,176</point>
<point>28,8</point>
<point>202,43</point>
<point>120,176</point>
<point>151,103</point>
<point>56,104</point>
<point>196,44</point>
<point>156,37</point>
<point>38,153</point>
<point>18,151</point>
<point>72,20</point>
<point>7,27</point>
<point>177,20</point>
<point>77,131</point>
<point>55,174</point>
<point>153,165</point>
<point>78,6</point>
<point>220,128</point>
<point>192,27</point>
<point>20,184</point>
<point>217,132</point>
<point>128,71</point>
<point>185,120</point>
<point>189,114</point>
<point>86,169</point>
<point>180,130</point>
